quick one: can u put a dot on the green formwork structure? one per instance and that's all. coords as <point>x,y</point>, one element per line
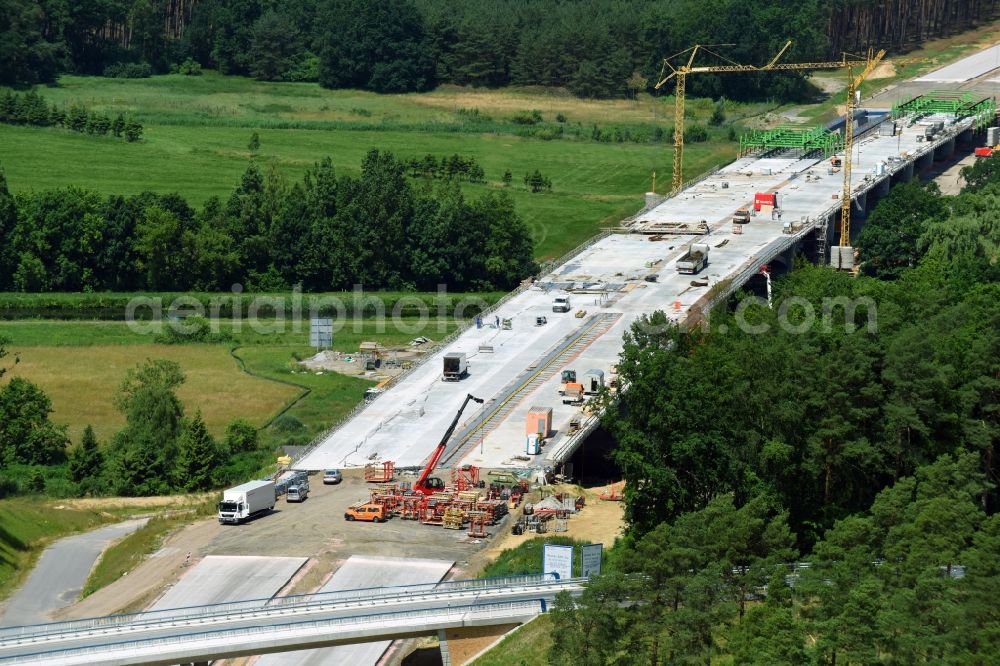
<point>806,139</point>
<point>955,103</point>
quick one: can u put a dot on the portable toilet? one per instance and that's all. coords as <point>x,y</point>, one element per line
<point>532,444</point>
<point>593,380</point>
<point>539,422</point>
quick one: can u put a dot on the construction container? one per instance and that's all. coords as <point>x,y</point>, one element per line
<point>764,199</point>
<point>539,422</point>
<point>593,380</point>
<point>984,152</point>
<point>992,136</point>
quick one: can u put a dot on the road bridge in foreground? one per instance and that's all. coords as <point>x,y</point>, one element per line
<point>203,633</point>
<point>620,276</point>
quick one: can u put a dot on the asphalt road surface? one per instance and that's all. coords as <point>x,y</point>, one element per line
<point>61,573</point>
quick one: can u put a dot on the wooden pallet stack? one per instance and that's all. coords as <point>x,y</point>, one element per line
<point>453,519</point>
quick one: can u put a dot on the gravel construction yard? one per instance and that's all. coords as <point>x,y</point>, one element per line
<point>315,528</point>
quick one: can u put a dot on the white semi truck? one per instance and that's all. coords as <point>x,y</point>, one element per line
<point>246,501</point>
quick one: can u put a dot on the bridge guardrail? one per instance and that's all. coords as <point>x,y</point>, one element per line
<point>382,620</point>
<point>30,633</point>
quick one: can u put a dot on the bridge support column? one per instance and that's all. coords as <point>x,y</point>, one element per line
<point>907,172</point>
<point>925,161</point>
<point>460,646</point>
<point>945,150</point>
<point>861,203</point>
<point>882,189</point>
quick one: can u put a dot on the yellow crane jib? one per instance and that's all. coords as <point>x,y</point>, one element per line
<point>679,74</point>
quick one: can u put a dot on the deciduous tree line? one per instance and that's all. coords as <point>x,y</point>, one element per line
<point>591,47</point>
<point>778,435</point>
<point>328,232</point>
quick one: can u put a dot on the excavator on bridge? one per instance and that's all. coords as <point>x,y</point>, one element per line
<point>428,484</point>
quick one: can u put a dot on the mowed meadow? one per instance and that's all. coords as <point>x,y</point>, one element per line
<point>82,383</point>
<point>197,130</point>
<point>252,374</point>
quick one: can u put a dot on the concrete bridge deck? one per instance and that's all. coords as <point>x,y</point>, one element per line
<point>610,277</point>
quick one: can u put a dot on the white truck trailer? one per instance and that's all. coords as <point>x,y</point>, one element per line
<point>456,367</point>
<point>246,501</point>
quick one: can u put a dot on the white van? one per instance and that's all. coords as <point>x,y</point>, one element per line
<point>297,494</point>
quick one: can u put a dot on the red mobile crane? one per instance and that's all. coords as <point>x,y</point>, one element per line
<point>428,484</point>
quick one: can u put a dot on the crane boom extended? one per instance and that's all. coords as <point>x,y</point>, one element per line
<point>427,484</point>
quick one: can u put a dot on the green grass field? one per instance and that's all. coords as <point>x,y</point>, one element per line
<point>80,365</point>
<point>82,383</point>
<point>197,130</point>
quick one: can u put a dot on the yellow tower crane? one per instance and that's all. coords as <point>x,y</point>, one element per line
<point>681,72</point>
<point>853,95</point>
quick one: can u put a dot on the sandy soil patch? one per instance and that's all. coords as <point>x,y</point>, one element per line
<point>597,522</point>
<point>113,503</point>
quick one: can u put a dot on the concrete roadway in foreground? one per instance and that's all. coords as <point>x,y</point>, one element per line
<point>61,572</point>
<point>357,573</point>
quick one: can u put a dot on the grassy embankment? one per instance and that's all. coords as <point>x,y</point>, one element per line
<point>197,130</point>
<point>131,551</point>
<point>528,645</point>
<point>28,525</point>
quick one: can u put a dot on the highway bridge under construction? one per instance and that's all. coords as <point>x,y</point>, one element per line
<point>785,194</point>
<point>789,184</point>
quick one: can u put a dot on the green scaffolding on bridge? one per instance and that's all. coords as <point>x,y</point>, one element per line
<point>806,139</point>
<point>956,103</point>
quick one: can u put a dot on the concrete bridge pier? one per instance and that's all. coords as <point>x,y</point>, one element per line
<point>882,188</point>
<point>967,137</point>
<point>925,161</point>
<point>945,150</point>
<point>906,173</point>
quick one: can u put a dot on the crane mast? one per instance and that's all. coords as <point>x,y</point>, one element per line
<point>853,83</point>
